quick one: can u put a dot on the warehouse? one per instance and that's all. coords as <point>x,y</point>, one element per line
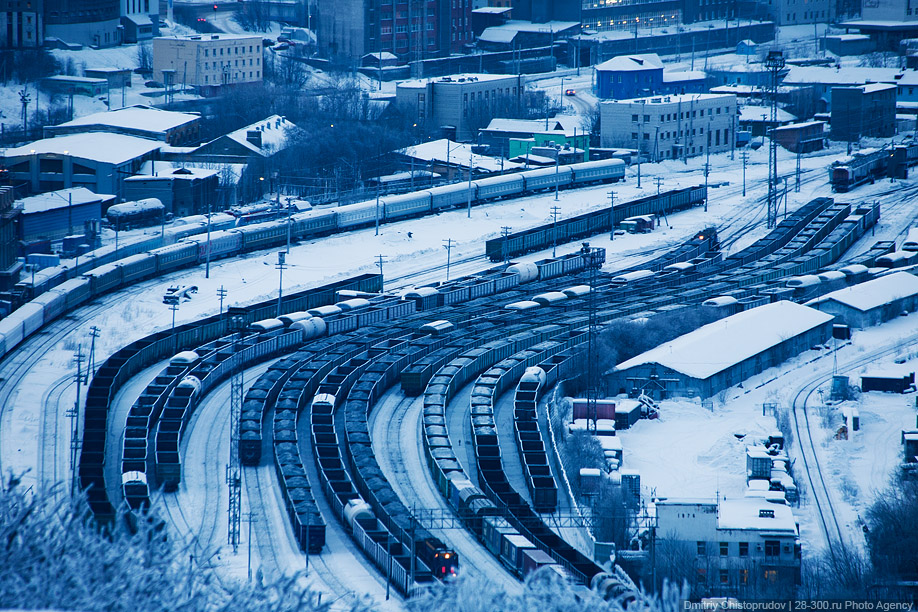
<point>709,359</point>
<point>55,214</point>
<point>872,302</point>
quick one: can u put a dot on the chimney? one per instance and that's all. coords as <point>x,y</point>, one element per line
<point>254,137</point>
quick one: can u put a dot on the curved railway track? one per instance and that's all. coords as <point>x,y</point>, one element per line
<point>395,428</point>
<point>822,495</point>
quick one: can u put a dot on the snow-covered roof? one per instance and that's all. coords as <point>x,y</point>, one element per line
<point>684,75</point>
<point>548,27</point>
<point>142,117</point>
<point>875,87</point>
<point>382,56</point>
<point>61,198</point>
<point>848,75</point>
<point>873,293</point>
<point>713,347</point>
<point>496,35</point>
<point>168,171</point>
<point>638,61</point>
<point>492,10</point>
<point>75,79</point>
<point>458,154</point>
<point>848,36</point>
<point>561,123</point>
<point>755,513</point>
<point>209,37</point>
<point>797,126</point>
<point>752,112</point>
<point>453,78</point>
<point>273,134</point>
<point>102,147</point>
<point>673,99</point>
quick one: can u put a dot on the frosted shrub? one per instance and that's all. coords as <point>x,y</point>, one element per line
<point>52,556</point>
<point>544,591</point>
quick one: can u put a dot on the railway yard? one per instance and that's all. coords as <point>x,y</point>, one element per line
<point>388,441</point>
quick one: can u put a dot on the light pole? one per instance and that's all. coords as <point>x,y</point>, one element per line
<point>557,164</point>
<point>280,265</point>
<point>561,99</point>
<point>469,208</point>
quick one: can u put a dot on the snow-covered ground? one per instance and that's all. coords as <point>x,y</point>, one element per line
<point>139,311</point>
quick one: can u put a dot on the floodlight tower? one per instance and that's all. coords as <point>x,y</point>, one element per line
<point>774,63</point>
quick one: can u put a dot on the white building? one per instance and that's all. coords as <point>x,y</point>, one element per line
<point>739,546</point>
<point>790,12</point>
<point>670,127</point>
<point>209,60</point>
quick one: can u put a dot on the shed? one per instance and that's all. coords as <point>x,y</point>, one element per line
<point>910,446</point>
<point>627,413</point>
<point>709,359</point>
<point>746,47</point>
<point>871,302</point>
<point>888,382</point>
<point>55,214</point>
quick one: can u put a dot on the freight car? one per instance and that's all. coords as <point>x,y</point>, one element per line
<point>592,223</point>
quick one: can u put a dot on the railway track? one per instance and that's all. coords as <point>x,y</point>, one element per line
<point>395,427</point>
<point>17,366</point>
<point>803,429</point>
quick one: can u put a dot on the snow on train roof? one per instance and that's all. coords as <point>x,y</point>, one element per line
<point>873,293</point>
<point>713,347</point>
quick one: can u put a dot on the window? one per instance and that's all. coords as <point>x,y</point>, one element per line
<point>646,136</point>
<point>744,576</point>
<point>634,117</point>
<point>702,112</point>
<point>724,549</point>
<point>205,52</point>
<point>701,548</point>
<point>771,575</point>
<point>701,575</point>
<point>633,135</point>
<point>718,110</point>
<point>647,118</point>
<point>744,549</point>
<point>724,576</point>
<point>772,548</point>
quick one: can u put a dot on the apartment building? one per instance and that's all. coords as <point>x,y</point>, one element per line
<point>209,61</point>
<point>670,127</point>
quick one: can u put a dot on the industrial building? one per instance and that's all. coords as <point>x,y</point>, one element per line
<point>10,266</point>
<point>670,127</point>
<point>641,75</point>
<point>803,137</point>
<point>738,547</point>
<point>208,62</point>
<point>513,137</point>
<point>183,190</point>
<point>55,214</point>
<point>97,161</point>
<point>458,105</point>
<point>144,121</point>
<point>872,302</point>
<point>709,359</point>
<point>864,110</point>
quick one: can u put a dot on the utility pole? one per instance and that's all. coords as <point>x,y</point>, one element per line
<point>744,155</point>
<point>249,518</point>
<point>281,265</point>
<point>774,63</point>
<point>174,306</point>
<point>469,212</point>
<point>707,170</point>
<point>289,200</point>
<point>799,155</point>
<point>377,207</point>
<point>380,259</point>
<point>611,216</point>
<point>74,415</point>
<point>505,232</point>
<point>221,293</point>
<point>557,169</point>
<point>448,245</point>
<point>640,138</point>
<point>207,249</point>
<point>555,211</point>
<point>659,181</point>
<point>93,334</point>
<point>233,470</point>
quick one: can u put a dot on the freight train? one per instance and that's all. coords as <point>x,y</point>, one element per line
<point>592,223</point>
<point>870,165</point>
<point>53,294</point>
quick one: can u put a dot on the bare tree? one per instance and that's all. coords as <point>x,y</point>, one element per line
<point>145,58</point>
